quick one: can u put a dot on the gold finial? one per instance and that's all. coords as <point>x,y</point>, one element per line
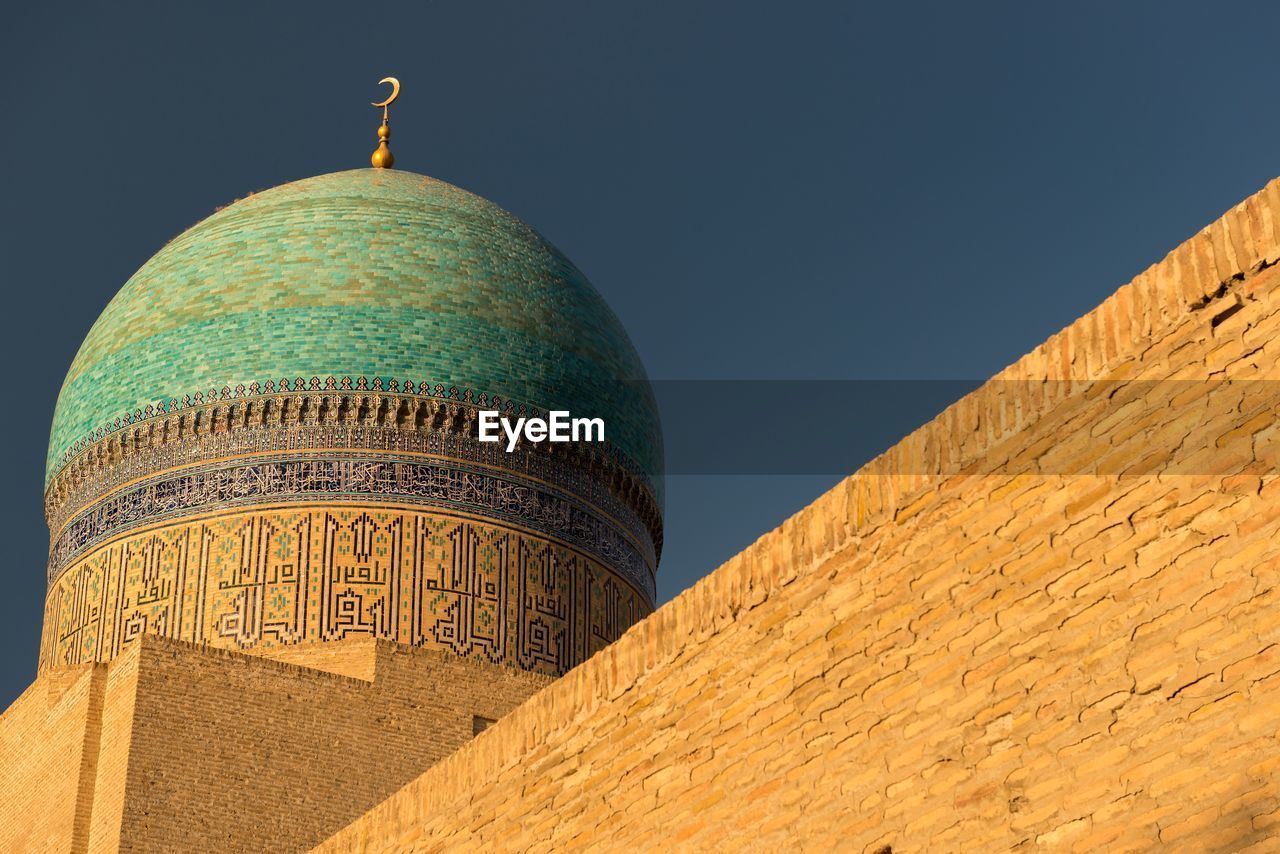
<point>382,158</point>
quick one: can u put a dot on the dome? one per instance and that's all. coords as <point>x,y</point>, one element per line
<point>371,273</point>
<point>269,437</point>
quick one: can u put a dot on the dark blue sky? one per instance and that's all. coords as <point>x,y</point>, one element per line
<point>784,192</point>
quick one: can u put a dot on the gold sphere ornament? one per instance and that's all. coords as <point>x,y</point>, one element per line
<point>382,158</point>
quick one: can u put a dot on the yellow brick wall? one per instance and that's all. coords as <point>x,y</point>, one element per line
<point>114,738</point>
<point>355,657</point>
<point>232,752</point>
<point>42,735</point>
<point>177,747</point>
<point>1049,618</point>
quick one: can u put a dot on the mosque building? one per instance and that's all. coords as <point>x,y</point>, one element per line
<point>267,444</point>
<point>295,601</point>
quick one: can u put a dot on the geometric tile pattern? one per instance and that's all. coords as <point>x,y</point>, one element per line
<point>496,495</point>
<point>264,578</point>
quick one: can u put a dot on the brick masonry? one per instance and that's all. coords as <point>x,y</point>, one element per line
<point>1048,618</point>
<point>177,746</point>
<point>41,739</point>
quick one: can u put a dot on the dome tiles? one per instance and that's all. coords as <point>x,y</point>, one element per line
<point>367,273</point>
<point>268,437</point>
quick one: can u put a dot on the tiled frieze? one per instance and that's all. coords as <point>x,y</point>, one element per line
<point>269,577</point>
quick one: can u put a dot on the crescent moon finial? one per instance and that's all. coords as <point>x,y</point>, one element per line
<point>395,92</point>
<point>382,158</point>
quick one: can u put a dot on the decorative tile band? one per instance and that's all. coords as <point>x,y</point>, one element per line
<point>622,544</point>
<point>350,400</point>
<point>251,422</point>
<point>254,579</point>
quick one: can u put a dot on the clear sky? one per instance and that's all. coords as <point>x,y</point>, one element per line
<point>784,192</point>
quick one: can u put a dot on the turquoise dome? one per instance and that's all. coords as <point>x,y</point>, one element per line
<point>377,274</point>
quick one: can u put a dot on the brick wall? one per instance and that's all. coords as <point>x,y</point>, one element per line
<point>1047,618</point>
<point>110,771</point>
<point>356,657</point>
<point>41,735</point>
<point>234,753</point>
<point>178,747</point>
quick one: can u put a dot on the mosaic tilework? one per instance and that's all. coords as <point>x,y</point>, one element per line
<point>264,578</point>
<point>340,413</point>
<point>375,273</point>
<point>330,477</point>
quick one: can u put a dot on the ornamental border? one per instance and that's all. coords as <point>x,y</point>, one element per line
<point>560,470</point>
<point>299,385</point>
<point>377,418</point>
<point>331,478</point>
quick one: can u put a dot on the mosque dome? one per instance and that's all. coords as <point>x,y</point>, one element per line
<point>307,365</point>
<point>367,273</point>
